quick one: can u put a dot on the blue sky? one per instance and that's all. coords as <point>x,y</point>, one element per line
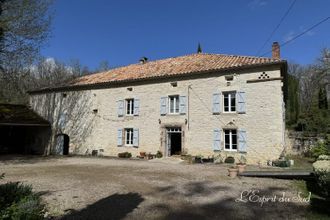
<point>121,32</point>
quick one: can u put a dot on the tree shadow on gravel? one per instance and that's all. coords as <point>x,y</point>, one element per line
<point>116,206</point>
<point>201,188</point>
<point>189,207</point>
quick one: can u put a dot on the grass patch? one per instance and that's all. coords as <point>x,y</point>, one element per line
<point>301,162</point>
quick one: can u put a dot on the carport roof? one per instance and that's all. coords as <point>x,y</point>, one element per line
<point>20,115</point>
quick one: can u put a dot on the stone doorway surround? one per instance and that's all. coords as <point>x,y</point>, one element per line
<point>163,136</point>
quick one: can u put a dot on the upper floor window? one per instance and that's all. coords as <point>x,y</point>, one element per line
<point>230,140</point>
<point>129,106</point>
<point>229,101</point>
<point>174,104</point>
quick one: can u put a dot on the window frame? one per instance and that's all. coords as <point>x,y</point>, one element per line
<point>176,104</point>
<point>131,105</point>
<point>129,136</point>
<point>229,93</point>
<point>230,140</point>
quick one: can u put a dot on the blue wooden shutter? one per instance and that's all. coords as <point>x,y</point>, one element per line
<point>120,104</point>
<point>217,139</point>
<point>120,137</point>
<point>183,104</point>
<point>216,103</point>
<point>163,105</point>
<point>241,102</point>
<point>136,106</point>
<point>242,146</point>
<point>136,137</point>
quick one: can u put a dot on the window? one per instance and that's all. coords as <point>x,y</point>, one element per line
<point>229,101</point>
<point>129,106</point>
<point>129,136</point>
<point>231,140</point>
<point>174,104</point>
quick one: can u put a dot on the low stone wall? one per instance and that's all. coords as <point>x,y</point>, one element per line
<point>298,143</point>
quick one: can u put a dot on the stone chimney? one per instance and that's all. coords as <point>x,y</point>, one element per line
<point>276,52</point>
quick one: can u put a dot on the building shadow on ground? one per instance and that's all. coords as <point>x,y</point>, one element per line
<point>116,206</point>
<point>25,159</point>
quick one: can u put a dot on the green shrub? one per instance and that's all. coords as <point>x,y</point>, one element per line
<point>17,201</point>
<point>159,154</point>
<point>323,183</point>
<point>125,155</point>
<point>319,149</point>
<point>230,160</point>
<point>198,159</point>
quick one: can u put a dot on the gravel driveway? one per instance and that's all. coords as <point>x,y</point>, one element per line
<point>99,188</point>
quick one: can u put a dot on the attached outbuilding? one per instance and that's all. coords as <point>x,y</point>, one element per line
<point>22,131</point>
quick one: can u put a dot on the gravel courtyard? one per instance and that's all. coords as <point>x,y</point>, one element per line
<point>100,188</point>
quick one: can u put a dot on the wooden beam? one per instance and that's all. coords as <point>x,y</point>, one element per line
<point>263,80</point>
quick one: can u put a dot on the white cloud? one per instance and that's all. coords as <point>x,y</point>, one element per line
<point>289,36</point>
<point>257,3</point>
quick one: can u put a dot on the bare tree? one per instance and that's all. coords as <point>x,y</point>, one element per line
<point>103,66</point>
<point>24,27</point>
<point>311,78</point>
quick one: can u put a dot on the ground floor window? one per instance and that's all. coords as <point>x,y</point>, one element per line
<point>129,136</point>
<point>230,140</point>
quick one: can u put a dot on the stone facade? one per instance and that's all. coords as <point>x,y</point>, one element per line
<point>95,125</point>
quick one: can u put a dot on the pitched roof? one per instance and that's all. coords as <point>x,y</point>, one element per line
<point>194,63</point>
<point>176,66</point>
<point>20,115</point>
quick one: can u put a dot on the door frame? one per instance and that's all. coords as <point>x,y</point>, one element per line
<point>169,131</point>
<point>62,144</point>
<point>163,136</point>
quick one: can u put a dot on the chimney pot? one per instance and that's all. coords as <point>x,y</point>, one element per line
<point>143,60</point>
<point>276,52</point>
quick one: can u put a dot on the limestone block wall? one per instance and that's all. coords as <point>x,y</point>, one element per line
<point>263,120</point>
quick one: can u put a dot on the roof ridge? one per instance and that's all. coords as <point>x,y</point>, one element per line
<point>186,55</point>
<point>243,56</point>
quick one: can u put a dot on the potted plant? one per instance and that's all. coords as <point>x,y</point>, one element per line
<point>230,159</point>
<point>232,171</point>
<point>143,154</point>
<point>159,154</point>
<point>199,158</point>
<point>241,164</point>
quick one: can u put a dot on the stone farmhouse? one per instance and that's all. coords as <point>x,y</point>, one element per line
<point>198,104</point>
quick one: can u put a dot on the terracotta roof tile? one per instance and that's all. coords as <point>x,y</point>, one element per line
<point>193,63</point>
